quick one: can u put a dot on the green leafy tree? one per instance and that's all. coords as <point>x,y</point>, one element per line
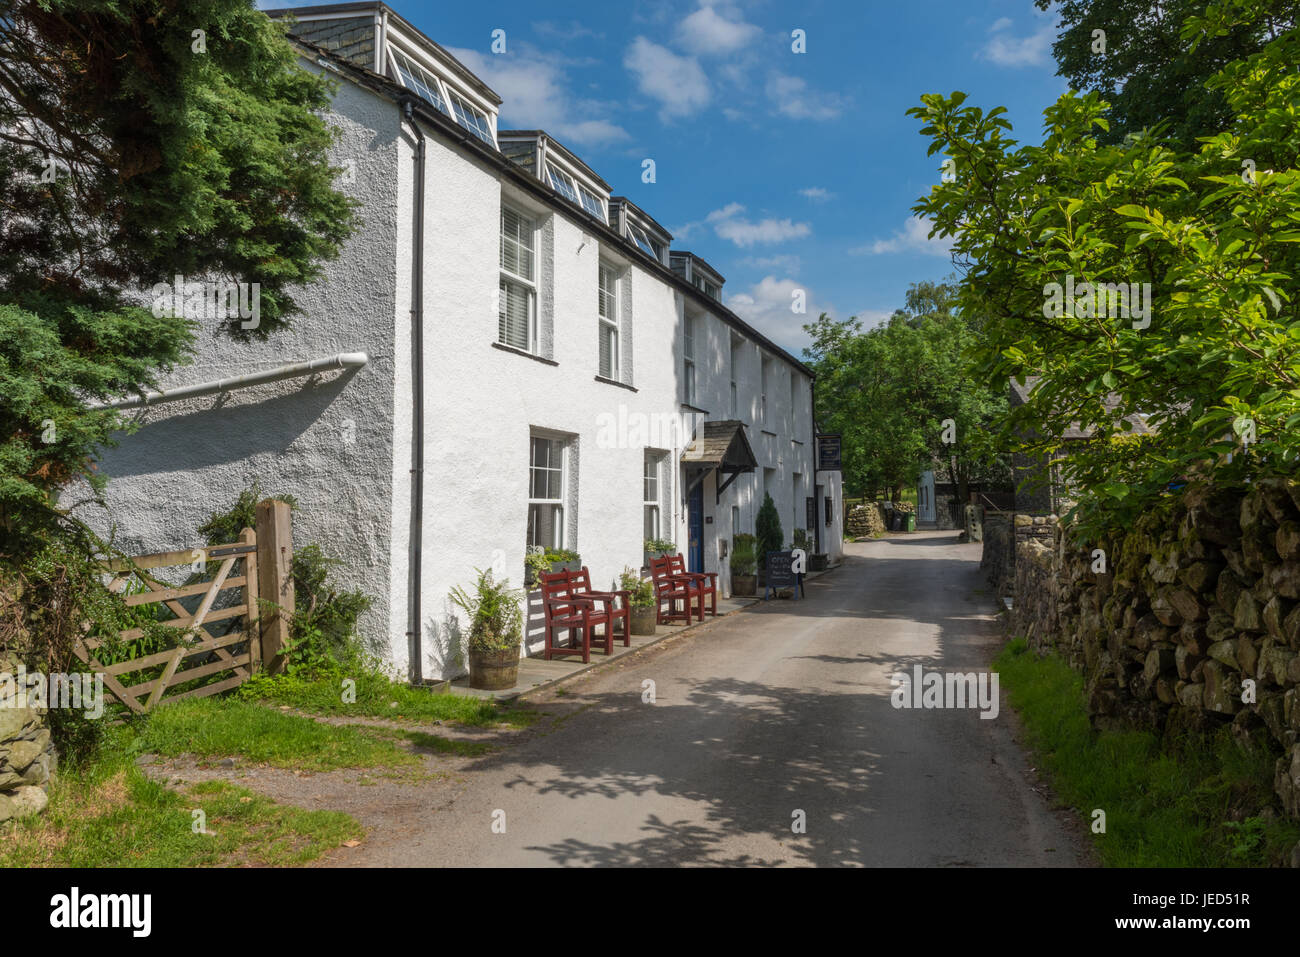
<point>1200,340</point>
<point>892,390</point>
<point>139,141</point>
<point>1148,71</point>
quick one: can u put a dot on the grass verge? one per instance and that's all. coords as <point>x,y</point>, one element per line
<point>210,729</point>
<point>108,813</point>
<point>1194,804</point>
<point>379,697</point>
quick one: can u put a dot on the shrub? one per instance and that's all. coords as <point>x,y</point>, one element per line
<point>768,527</point>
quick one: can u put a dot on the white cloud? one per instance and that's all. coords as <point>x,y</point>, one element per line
<point>1005,49</point>
<point>817,194</point>
<point>535,95</point>
<point>768,306</point>
<point>729,224</point>
<point>677,82</point>
<point>793,98</point>
<point>912,238</point>
<point>707,32</point>
<point>784,263</point>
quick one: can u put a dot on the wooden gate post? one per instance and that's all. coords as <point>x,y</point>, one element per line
<point>252,624</point>
<point>274,578</point>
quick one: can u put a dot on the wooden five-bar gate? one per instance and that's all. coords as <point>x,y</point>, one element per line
<point>239,625</point>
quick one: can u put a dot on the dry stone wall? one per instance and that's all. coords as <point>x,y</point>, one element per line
<point>1192,622</point>
<point>27,755</point>
<point>865,521</point>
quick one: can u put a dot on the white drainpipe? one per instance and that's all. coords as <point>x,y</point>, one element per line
<point>344,360</point>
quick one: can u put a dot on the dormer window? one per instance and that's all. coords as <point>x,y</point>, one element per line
<point>375,37</point>
<point>414,77</point>
<point>562,183</point>
<point>639,237</point>
<point>443,94</point>
<point>592,203</point>
<point>572,190</point>
<point>640,230</point>
<point>472,118</point>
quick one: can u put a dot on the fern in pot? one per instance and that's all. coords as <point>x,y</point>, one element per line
<point>643,615</point>
<point>496,630</point>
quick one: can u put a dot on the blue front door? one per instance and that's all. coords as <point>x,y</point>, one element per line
<point>695,529</point>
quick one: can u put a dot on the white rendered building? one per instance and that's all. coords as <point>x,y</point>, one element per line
<point>508,355</point>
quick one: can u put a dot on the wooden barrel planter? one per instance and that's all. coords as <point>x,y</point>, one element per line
<point>643,619</point>
<point>744,585</point>
<point>493,670</point>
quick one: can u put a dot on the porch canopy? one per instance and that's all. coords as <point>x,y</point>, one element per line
<point>722,446</point>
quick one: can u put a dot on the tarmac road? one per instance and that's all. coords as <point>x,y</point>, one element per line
<point>771,714</point>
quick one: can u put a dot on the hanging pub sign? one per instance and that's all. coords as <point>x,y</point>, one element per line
<point>828,452</point>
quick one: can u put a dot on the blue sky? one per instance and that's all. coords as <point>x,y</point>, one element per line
<point>783,170</point>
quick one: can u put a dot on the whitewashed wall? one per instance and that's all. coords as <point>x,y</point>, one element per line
<point>327,439</point>
<point>481,402</point>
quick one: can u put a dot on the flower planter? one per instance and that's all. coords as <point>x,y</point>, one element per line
<point>531,582</point>
<point>744,585</point>
<point>647,556</point>
<point>493,670</point>
<point>643,619</point>
<point>818,562</point>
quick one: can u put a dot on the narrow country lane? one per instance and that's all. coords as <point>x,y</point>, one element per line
<point>774,710</point>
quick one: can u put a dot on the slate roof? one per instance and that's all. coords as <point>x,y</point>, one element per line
<point>722,445</point>
<point>1075,431</point>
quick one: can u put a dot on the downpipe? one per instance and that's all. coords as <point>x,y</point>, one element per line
<point>414,630</point>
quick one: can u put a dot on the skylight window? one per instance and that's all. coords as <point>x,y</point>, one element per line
<point>562,183</point>
<point>472,119</point>
<point>415,77</point>
<point>592,204</point>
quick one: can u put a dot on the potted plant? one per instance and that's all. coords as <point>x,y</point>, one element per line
<point>643,615</point>
<point>496,629</point>
<point>744,560</point>
<point>658,548</point>
<point>541,561</point>
<point>770,536</point>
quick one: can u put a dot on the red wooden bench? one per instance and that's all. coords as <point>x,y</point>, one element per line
<point>568,609</point>
<point>705,582</point>
<point>673,584</point>
<point>582,586</point>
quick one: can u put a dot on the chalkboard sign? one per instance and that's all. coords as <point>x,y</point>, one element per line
<point>780,573</point>
<point>780,569</point>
